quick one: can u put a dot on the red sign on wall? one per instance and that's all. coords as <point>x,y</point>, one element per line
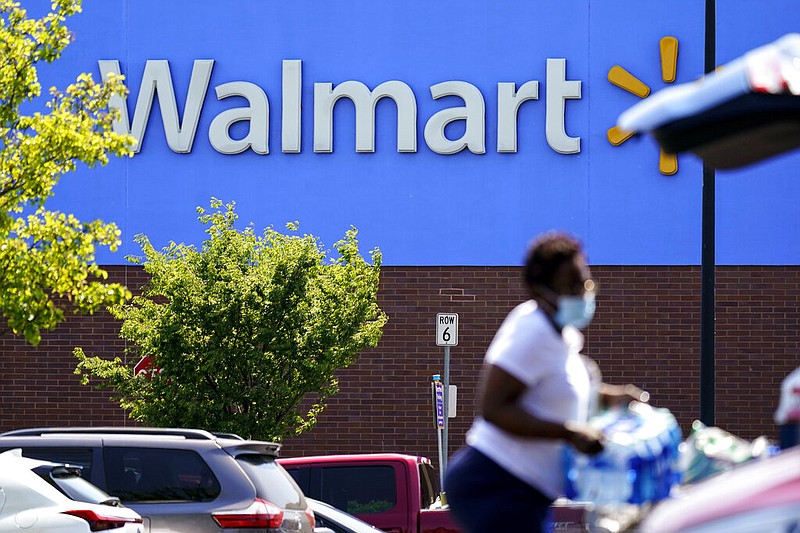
<point>146,366</point>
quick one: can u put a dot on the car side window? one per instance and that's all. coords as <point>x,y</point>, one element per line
<point>427,479</point>
<point>81,457</point>
<point>158,475</point>
<point>301,476</point>
<point>359,489</point>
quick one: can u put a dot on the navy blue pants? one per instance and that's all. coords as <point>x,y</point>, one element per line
<point>486,498</point>
<point>789,435</point>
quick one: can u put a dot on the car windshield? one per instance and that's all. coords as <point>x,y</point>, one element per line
<point>272,482</point>
<point>69,482</point>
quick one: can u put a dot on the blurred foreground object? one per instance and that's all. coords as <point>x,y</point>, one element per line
<point>710,450</point>
<point>637,464</point>
<point>787,417</point>
<point>762,495</point>
<point>744,112</point>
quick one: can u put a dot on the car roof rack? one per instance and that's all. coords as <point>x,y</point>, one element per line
<point>198,434</point>
<point>220,435</point>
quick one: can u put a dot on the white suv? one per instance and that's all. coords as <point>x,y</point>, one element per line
<point>40,496</point>
<point>179,480</point>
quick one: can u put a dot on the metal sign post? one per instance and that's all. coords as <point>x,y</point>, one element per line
<point>447,336</point>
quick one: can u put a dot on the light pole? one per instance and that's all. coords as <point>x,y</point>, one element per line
<point>708,258</point>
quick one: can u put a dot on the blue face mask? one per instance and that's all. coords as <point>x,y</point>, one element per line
<point>576,311</point>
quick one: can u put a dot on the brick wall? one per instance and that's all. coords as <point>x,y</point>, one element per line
<point>646,331</point>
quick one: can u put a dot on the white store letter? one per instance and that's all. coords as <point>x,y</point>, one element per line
<point>257,115</point>
<point>325,97</point>
<point>508,102</point>
<point>473,113</point>
<point>292,95</point>
<point>158,78</point>
<point>558,90</point>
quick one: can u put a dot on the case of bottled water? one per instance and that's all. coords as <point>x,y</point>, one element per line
<point>638,463</point>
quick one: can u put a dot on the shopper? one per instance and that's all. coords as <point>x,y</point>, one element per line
<point>538,391</point>
<point>787,416</point>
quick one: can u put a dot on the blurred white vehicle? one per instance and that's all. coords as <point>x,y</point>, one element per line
<point>42,497</point>
<point>329,519</point>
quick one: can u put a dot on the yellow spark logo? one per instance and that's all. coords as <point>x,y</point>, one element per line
<point>668,46</point>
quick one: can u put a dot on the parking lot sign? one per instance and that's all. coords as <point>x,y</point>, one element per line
<point>447,329</point>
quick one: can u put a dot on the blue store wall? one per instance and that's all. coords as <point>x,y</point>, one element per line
<point>426,208</point>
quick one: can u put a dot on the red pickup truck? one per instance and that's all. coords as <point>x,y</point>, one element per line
<point>396,493</point>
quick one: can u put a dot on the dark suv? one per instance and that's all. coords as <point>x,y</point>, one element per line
<point>179,480</point>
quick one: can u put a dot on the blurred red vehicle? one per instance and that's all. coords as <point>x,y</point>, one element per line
<point>762,495</point>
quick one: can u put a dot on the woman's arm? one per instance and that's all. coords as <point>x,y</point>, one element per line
<point>613,395</point>
<point>500,405</point>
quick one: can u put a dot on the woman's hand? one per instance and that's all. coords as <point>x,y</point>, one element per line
<point>614,395</point>
<point>585,439</point>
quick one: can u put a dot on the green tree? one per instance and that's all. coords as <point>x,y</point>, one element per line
<point>46,257</point>
<point>247,332</point>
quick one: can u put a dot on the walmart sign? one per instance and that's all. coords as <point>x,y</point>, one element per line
<point>180,134</point>
<point>448,132</point>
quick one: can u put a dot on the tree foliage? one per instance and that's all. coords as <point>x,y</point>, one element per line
<point>47,257</point>
<point>245,331</point>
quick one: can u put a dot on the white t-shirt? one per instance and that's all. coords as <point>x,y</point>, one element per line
<point>529,348</point>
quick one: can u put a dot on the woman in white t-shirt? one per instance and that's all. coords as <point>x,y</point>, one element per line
<point>538,392</point>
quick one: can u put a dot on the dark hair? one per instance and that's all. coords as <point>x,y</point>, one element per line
<point>545,254</point>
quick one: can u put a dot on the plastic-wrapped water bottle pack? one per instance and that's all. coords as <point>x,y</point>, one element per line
<point>709,451</point>
<point>638,463</point>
